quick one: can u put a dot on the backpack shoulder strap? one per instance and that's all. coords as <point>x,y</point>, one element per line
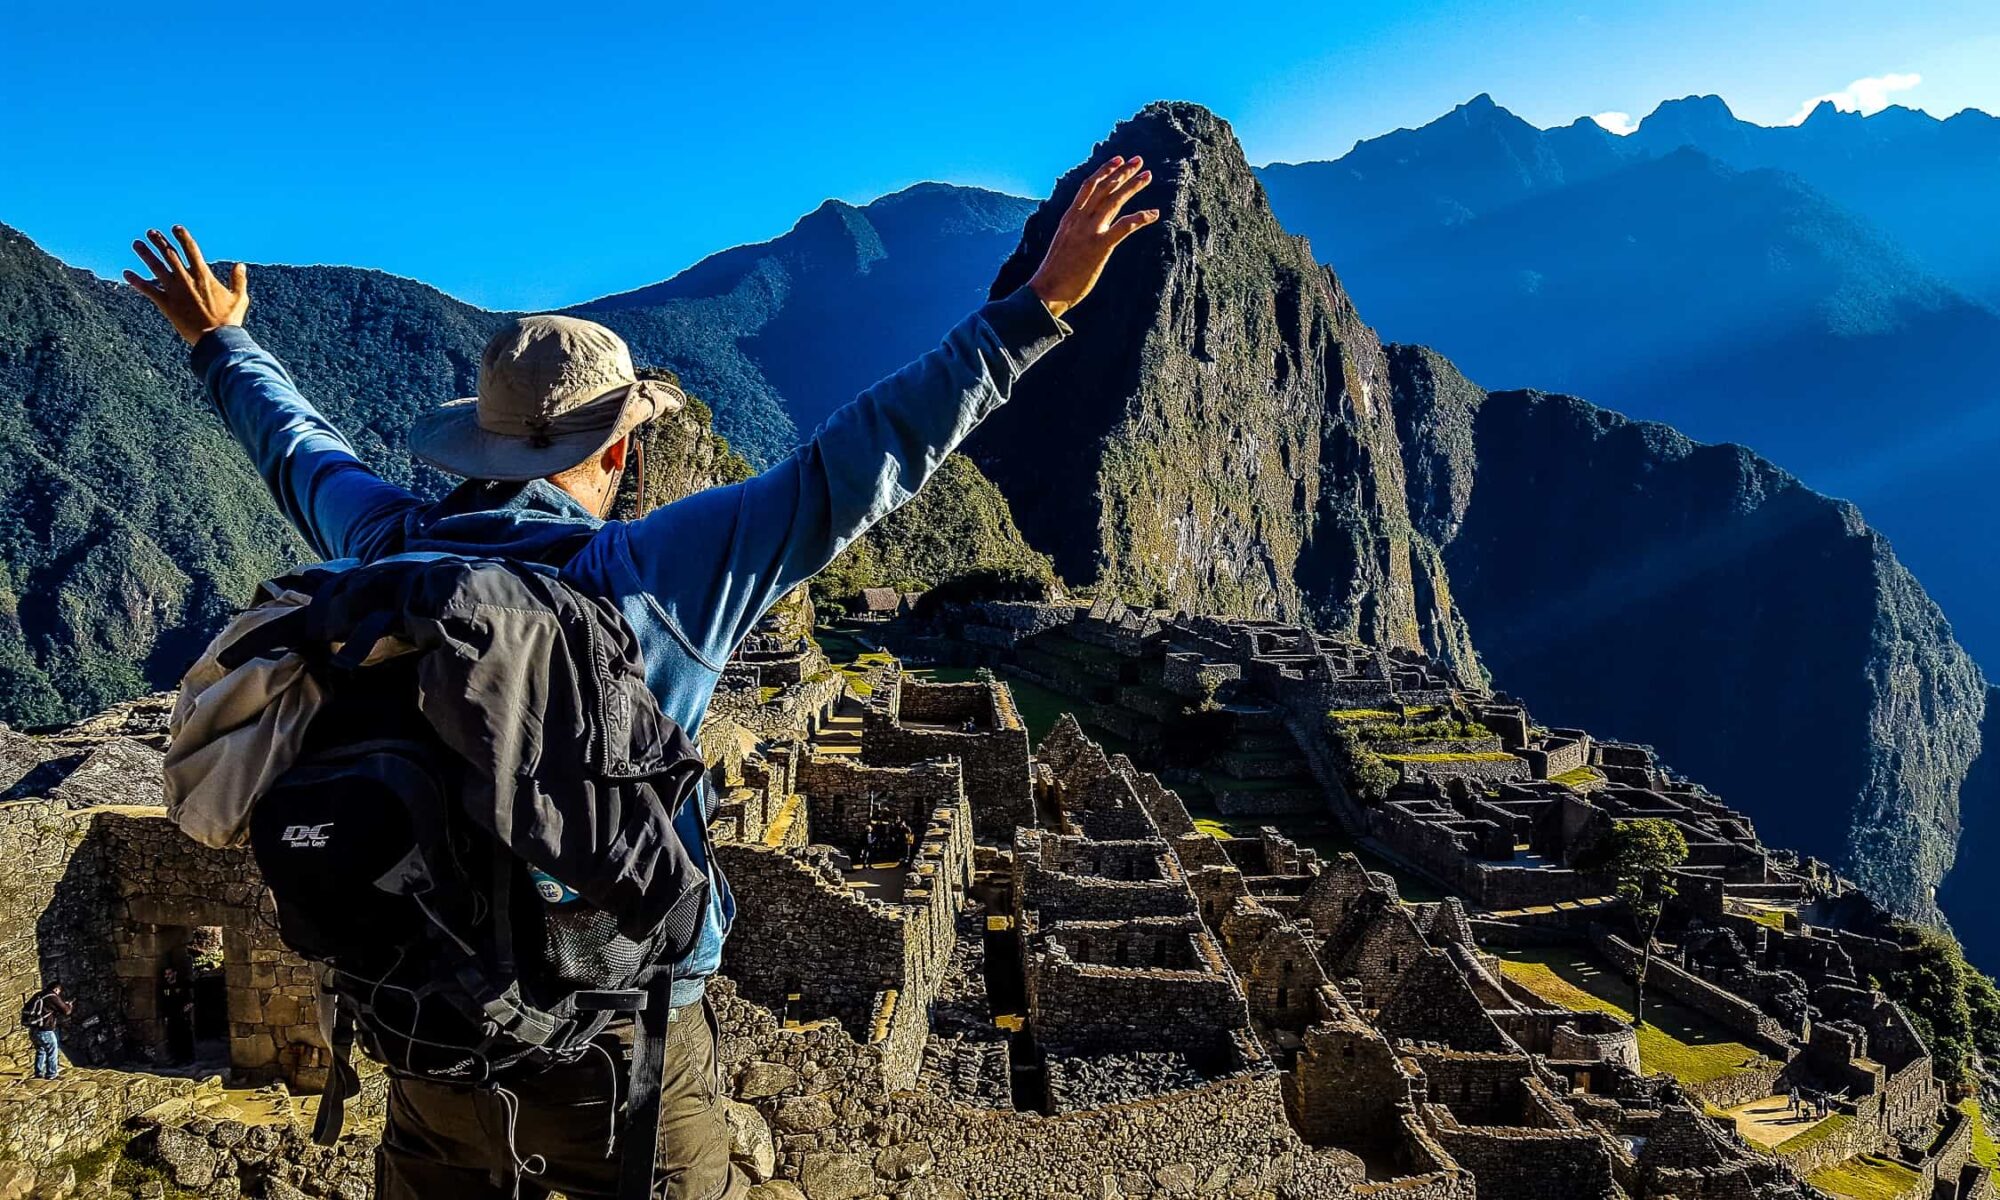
<point>642,1092</point>
<point>342,1080</point>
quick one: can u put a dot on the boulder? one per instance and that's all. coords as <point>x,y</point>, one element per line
<point>190,1159</point>
<point>804,1114</point>
<point>750,1141</point>
<point>760,1080</point>
<point>56,1185</point>
<point>17,1181</point>
<point>836,1177</point>
<point>906,1161</point>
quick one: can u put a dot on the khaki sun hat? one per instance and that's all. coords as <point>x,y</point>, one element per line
<point>553,392</point>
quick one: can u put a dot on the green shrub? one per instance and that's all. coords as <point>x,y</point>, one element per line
<point>1953,1006</point>
<point>1367,776</point>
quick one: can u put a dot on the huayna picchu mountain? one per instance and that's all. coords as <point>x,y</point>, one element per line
<point>1217,435</point>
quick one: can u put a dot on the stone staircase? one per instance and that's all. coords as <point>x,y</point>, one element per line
<point>839,736</point>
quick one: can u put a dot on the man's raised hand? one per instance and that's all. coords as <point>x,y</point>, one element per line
<point>1090,231</point>
<point>188,293</point>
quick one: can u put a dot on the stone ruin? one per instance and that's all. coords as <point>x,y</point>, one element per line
<point>966,965</point>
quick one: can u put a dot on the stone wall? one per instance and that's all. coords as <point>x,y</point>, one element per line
<point>43,1123</point>
<point>1056,879</point>
<point>843,796</point>
<point>800,931</point>
<point>1733,1012</point>
<point>167,881</point>
<point>1526,1163</point>
<point>103,896</point>
<point>55,926</point>
<point>1348,1086</point>
<point>1608,1040</point>
<point>1150,983</point>
<point>844,1133</point>
<point>993,755</point>
<point>874,967</point>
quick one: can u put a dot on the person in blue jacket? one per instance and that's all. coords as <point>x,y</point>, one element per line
<point>543,447</point>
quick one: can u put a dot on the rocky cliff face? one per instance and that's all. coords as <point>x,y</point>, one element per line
<point>1696,597</point>
<point>1217,435</point>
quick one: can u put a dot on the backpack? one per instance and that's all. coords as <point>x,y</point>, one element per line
<point>36,1011</point>
<point>447,955</point>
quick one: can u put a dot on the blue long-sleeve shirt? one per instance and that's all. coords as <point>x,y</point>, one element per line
<point>692,577</point>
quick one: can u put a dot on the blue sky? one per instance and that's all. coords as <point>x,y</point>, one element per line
<point>534,155</point>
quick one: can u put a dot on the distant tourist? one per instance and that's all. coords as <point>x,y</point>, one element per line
<point>44,1014</point>
<point>177,1011</point>
<point>544,447</point>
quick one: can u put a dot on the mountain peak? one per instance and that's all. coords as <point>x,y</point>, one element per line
<point>1692,111</point>
<point>1202,441</point>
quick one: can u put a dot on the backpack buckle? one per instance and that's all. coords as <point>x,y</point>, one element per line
<point>621,1000</point>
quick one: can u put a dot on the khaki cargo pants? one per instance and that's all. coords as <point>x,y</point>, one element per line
<point>551,1132</point>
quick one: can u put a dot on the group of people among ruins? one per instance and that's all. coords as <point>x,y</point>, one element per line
<point>1809,1103</point>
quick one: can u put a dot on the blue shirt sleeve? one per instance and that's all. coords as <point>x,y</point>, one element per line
<point>341,506</point>
<point>715,561</point>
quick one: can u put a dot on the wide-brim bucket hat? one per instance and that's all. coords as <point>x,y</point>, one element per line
<point>554,392</point>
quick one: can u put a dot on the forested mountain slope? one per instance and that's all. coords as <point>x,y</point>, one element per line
<point>131,525</point>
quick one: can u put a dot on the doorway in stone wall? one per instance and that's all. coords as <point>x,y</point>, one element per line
<point>189,1027</point>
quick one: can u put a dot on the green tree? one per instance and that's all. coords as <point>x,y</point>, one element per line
<point>1640,857</point>
<point>1955,1008</point>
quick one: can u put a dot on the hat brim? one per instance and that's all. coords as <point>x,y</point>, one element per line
<point>451,438</point>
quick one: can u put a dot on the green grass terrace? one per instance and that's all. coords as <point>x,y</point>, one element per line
<point>1867,1178</point>
<point>1675,1040</point>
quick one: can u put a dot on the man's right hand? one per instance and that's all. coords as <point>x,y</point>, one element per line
<point>1090,231</point>
<point>189,294</point>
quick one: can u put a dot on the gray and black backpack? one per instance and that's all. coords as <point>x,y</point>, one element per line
<point>457,945</point>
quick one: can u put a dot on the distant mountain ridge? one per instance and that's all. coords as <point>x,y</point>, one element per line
<point>1620,575</point>
<point>1673,276</point>
<point>783,332</point>
<point>1928,182</point>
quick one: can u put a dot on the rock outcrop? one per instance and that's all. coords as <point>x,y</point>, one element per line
<point>1761,635</point>
<point>1217,435</point>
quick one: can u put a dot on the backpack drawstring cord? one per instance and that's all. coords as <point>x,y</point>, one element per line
<point>534,1164</point>
<point>611,1130</point>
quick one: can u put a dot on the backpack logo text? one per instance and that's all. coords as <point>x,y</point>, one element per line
<point>306,837</point>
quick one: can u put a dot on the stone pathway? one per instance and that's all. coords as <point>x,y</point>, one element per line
<point>1558,906</point>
